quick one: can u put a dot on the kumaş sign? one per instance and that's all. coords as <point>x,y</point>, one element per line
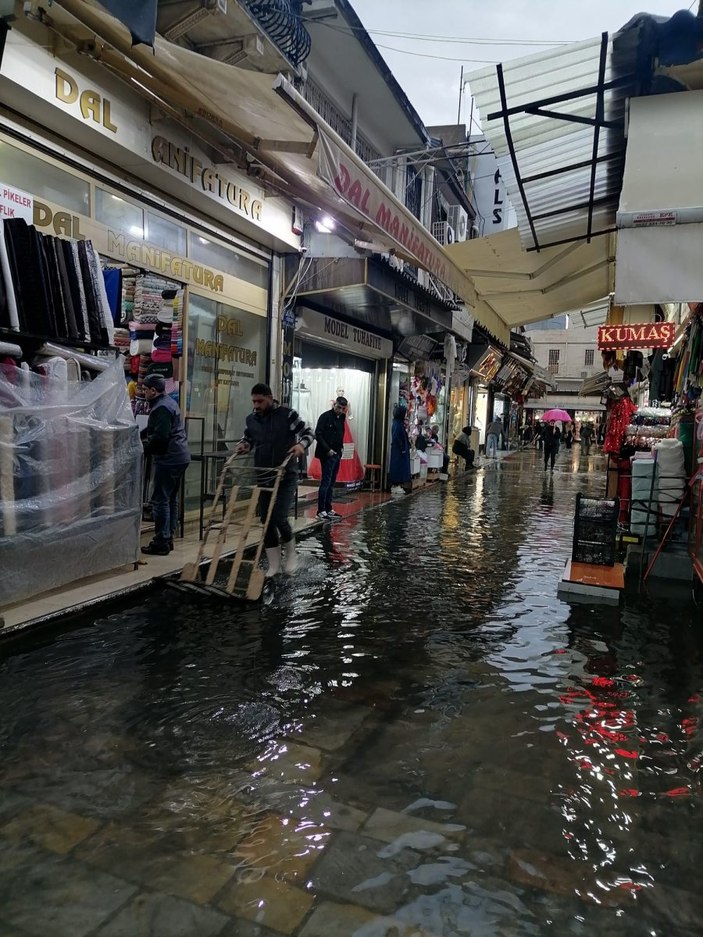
<point>640,335</point>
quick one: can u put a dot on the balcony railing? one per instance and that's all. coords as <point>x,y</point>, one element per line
<point>280,20</point>
<point>332,115</point>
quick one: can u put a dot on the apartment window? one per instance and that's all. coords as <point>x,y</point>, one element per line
<point>553,360</point>
<point>589,357</point>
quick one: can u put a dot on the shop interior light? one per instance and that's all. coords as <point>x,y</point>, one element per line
<point>136,231</point>
<point>325,225</point>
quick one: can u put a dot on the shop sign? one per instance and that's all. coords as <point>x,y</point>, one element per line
<point>92,105</point>
<point>348,338</point>
<point>144,254</point>
<point>490,365</point>
<point>640,335</point>
<point>364,192</point>
<point>14,203</point>
<point>205,178</point>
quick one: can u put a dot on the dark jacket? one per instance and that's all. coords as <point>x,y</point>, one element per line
<point>329,433</point>
<point>552,438</point>
<point>399,467</point>
<point>273,433</point>
<point>165,435</point>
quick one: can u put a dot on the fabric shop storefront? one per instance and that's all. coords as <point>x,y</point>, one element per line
<point>94,166</point>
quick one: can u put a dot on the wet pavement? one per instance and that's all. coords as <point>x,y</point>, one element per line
<point>415,739</point>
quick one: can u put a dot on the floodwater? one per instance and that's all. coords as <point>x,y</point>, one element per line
<point>417,738</point>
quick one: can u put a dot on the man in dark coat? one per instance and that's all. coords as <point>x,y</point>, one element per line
<point>275,432</point>
<point>329,435</point>
<point>552,438</point>
<point>165,440</point>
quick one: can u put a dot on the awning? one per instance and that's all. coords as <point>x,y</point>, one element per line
<point>551,402</point>
<point>660,220</point>
<point>483,361</point>
<point>522,287</point>
<point>556,123</point>
<point>277,130</point>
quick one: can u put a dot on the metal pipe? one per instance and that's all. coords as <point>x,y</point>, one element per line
<point>354,120</point>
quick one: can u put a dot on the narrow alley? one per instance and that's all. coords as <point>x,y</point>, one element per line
<point>416,737</point>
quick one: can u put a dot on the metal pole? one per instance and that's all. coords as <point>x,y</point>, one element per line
<point>461,91</point>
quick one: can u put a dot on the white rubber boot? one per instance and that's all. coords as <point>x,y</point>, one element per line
<point>273,555</point>
<point>290,558</point>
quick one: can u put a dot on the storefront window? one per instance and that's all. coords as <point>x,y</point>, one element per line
<point>319,376</point>
<point>165,234</point>
<point>226,357</point>
<point>115,211</point>
<point>213,254</point>
<point>43,180</point>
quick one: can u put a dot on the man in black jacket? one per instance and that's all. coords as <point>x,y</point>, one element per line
<point>329,434</point>
<point>165,440</point>
<point>275,432</point>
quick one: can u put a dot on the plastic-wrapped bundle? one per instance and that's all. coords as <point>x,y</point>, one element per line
<point>642,472</point>
<point>671,474</point>
<point>70,478</point>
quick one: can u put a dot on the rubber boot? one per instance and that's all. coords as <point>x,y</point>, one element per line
<point>273,555</point>
<point>290,559</point>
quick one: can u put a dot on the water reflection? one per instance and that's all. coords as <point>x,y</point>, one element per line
<point>415,737</point>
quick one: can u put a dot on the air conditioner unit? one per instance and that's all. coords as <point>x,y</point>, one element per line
<point>459,220</point>
<point>443,232</point>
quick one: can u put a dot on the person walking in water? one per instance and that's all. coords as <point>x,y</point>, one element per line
<point>274,433</point>
<point>399,466</point>
<point>493,434</point>
<point>329,435</point>
<point>552,439</point>
<point>165,440</point>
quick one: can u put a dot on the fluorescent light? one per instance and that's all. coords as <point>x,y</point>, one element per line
<point>325,224</point>
<point>136,231</point>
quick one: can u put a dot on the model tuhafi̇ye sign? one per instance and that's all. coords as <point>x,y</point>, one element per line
<point>639,335</point>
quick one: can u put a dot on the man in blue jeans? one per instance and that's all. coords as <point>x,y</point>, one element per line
<point>165,440</point>
<point>329,435</point>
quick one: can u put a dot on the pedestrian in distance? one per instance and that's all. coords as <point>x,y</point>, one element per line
<point>462,448</point>
<point>587,433</point>
<point>552,439</point>
<point>568,437</point>
<point>399,465</point>
<point>165,441</point>
<point>539,435</point>
<point>275,433</point>
<point>329,436</point>
<point>493,434</point>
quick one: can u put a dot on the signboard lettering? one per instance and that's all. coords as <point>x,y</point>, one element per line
<point>348,337</point>
<point>93,106</point>
<point>205,177</point>
<point>640,335</point>
<point>14,203</point>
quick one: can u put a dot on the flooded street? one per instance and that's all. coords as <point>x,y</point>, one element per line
<point>416,738</point>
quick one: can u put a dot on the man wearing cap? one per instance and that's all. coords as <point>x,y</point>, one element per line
<point>165,440</point>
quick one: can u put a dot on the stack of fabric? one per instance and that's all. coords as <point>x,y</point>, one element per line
<point>52,287</point>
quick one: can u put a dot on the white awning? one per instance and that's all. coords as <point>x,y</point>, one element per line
<point>280,132</point>
<point>660,219</point>
<point>523,287</point>
<point>551,402</point>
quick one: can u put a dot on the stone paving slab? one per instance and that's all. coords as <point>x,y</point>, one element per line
<point>332,728</point>
<point>64,899</point>
<point>336,920</point>
<point>150,859</point>
<point>158,915</point>
<point>242,928</point>
<point>391,827</point>
<point>353,870</point>
<point>289,762</point>
<point>48,827</point>
<point>267,902</point>
<point>11,802</point>
<point>282,847</point>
